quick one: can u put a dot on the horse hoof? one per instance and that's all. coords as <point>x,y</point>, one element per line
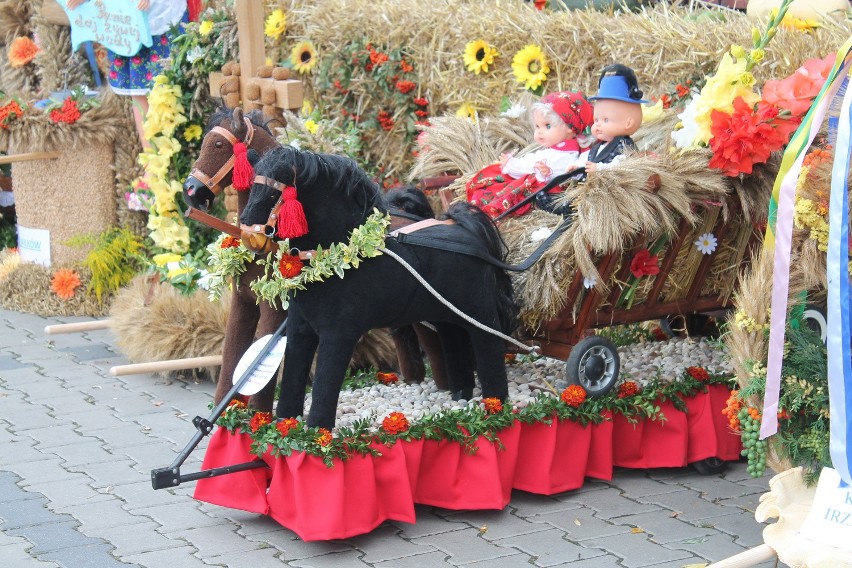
<point>464,394</point>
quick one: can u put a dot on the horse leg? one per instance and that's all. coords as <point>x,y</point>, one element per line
<point>455,346</point>
<point>332,360</point>
<point>408,353</point>
<point>431,344</point>
<point>239,334</point>
<point>270,320</point>
<point>490,354</point>
<point>298,357</point>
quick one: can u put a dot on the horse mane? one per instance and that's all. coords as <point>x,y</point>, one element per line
<point>409,199</point>
<point>224,113</point>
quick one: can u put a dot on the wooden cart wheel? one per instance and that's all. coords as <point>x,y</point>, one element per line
<point>593,364</point>
<point>710,466</point>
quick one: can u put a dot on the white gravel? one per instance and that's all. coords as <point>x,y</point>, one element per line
<point>639,362</point>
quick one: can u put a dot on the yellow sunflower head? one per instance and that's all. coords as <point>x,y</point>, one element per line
<point>478,55</point>
<point>530,67</point>
<point>276,24</point>
<point>467,110</point>
<point>303,57</point>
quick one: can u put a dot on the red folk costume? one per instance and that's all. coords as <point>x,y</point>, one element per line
<point>498,187</point>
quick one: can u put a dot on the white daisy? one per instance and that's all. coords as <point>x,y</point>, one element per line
<point>517,110</point>
<point>589,283</point>
<point>706,243</point>
<point>540,234</point>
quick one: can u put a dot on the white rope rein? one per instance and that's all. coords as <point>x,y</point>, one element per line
<point>458,312</point>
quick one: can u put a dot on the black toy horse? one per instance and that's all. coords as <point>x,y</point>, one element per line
<point>337,196</point>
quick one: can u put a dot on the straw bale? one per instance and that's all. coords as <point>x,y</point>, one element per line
<point>27,289</point>
<point>15,22</point>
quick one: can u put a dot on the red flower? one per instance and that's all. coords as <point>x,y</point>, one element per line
<point>259,419</point>
<point>628,388</point>
<point>13,108</point>
<point>394,423</point>
<point>154,57</point>
<point>405,66</point>
<point>747,136</point>
<point>574,395</point>
<point>377,57</point>
<point>539,4</point>
<point>421,102</point>
<point>284,426</point>
<point>136,60</point>
<point>698,373</point>
<point>290,266</point>
<point>385,120</point>
<point>659,334</point>
<point>643,264</point>
<point>69,113</point>
<point>324,438</point>
<point>405,87</point>
<point>164,40</point>
<point>387,378</point>
<point>113,74</point>
<point>230,242</point>
<point>797,92</point>
<point>236,404</point>
<point>421,113</point>
<point>118,62</point>
<point>492,405</point>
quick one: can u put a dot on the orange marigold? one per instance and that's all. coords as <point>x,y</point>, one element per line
<point>698,373</point>
<point>324,438</point>
<point>574,395</point>
<point>259,419</point>
<point>284,426</point>
<point>387,378</point>
<point>64,283</point>
<point>492,405</point>
<point>394,423</point>
<point>290,266</point>
<point>21,51</point>
<point>628,388</point>
<point>236,404</point>
<point>230,242</point>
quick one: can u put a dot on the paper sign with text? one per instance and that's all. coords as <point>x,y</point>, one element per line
<point>830,518</point>
<point>265,370</point>
<point>34,245</point>
<point>118,25</point>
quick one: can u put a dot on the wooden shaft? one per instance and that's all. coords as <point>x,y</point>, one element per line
<point>213,222</point>
<point>167,365</point>
<point>76,327</point>
<point>747,558</point>
<point>249,15</point>
<point>28,157</point>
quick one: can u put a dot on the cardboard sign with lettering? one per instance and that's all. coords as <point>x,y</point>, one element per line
<point>34,245</point>
<point>118,25</point>
<point>830,518</point>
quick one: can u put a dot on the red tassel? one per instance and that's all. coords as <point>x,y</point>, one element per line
<point>291,218</point>
<point>243,172</point>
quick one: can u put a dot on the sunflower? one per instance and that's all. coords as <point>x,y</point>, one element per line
<point>478,55</point>
<point>467,110</point>
<point>64,283</point>
<point>276,24</point>
<point>530,67</point>
<point>303,57</point>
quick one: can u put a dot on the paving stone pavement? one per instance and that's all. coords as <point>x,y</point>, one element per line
<point>77,446</point>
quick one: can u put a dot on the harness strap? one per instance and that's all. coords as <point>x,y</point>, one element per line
<point>425,223</point>
<point>212,182</point>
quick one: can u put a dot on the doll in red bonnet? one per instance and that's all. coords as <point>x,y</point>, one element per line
<point>558,119</point>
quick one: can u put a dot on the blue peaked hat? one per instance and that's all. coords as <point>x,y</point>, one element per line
<point>615,87</point>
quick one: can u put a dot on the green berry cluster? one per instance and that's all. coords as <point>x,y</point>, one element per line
<point>753,447</point>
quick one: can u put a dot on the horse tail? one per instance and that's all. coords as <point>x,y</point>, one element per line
<point>474,220</point>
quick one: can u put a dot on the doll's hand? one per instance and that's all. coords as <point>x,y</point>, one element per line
<point>543,169</point>
<point>71,4</point>
<point>591,167</point>
<point>143,5</point>
<point>505,157</point>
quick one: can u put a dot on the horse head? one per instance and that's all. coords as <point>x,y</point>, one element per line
<point>312,199</point>
<point>232,142</point>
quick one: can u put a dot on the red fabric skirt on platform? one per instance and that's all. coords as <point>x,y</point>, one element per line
<point>356,495</point>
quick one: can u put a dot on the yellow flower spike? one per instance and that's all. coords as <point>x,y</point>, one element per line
<point>757,55</point>
<point>747,79</point>
<point>311,126</point>
<point>163,259</point>
<point>307,107</point>
<point>755,36</point>
<point>738,51</point>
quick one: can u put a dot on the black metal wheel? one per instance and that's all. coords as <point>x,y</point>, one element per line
<point>593,364</point>
<point>710,466</point>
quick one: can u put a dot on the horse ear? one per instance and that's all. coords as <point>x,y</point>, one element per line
<point>237,118</point>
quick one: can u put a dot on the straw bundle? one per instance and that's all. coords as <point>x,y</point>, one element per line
<point>15,22</point>
<point>27,289</point>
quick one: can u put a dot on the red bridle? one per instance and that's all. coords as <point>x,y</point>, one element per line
<point>212,182</point>
<point>259,237</point>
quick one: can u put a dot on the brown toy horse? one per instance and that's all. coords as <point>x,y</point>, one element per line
<point>230,138</point>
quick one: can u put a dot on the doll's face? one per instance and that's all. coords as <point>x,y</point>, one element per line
<point>550,131</point>
<point>615,118</point>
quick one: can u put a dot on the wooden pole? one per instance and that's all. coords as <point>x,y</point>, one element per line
<point>250,36</point>
<point>77,326</point>
<point>213,222</point>
<point>167,365</point>
<point>746,559</point>
<point>28,157</point>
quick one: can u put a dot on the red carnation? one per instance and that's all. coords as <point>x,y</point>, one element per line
<point>643,264</point>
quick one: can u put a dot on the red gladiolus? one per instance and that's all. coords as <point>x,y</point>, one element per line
<point>574,395</point>
<point>395,423</point>
<point>797,92</point>
<point>643,264</point>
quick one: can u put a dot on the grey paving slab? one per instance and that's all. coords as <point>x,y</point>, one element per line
<point>183,557</point>
<point>741,526</point>
<point>102,514</point>
<point>295,548</point>
<point>18,556</point>
<point>90,352</point>
<point>505,562</point>
<point>687,503</point>
<point>464,546</point>
<point>581,524</point>
<point>435,559</point>
<point>348,559</point>
<point>610,503</point>
<point>258,558</point>
<point>663,527</point>
<point>711,547</point>
<point>427,523</point>
<point>73,491</point>
<point>495,525</point>
<point>128,540</point>
<point>529,504</point>
<point>636,549</point>
<point>178,515</point>
<point>610,561</point>
<point>637,483</point>
<point>383,544</point>
<point>549,547</point>
<point>8,362</point>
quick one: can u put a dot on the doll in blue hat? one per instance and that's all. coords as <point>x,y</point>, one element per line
<point>618,114</point>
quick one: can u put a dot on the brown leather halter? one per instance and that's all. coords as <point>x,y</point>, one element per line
<point>212,182</point>
<point>259,237</point>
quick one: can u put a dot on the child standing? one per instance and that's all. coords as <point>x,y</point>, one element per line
<point>558,118</point>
